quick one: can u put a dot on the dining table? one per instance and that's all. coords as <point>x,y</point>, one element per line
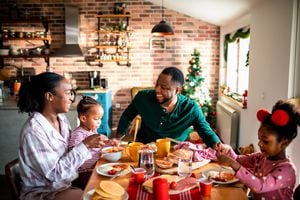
<point>236,191</point>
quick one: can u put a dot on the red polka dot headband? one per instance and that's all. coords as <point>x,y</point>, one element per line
<point>279,117</point>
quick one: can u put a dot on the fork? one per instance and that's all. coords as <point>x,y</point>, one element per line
<point>117,174</point>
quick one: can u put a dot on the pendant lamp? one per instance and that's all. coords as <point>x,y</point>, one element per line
<point>162,28</point>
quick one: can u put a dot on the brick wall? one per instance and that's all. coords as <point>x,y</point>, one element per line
<point>146,64</point>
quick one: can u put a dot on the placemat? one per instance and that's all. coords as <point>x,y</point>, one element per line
<point>137,192</point>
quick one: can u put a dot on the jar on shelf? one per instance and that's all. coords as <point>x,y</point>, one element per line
<point>12,33</point>
<point>5,33</point>
<point>28,34</point>
<point>20,34</point>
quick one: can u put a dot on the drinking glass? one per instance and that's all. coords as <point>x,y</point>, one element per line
<point>147,162</point>
<point>185,166</point>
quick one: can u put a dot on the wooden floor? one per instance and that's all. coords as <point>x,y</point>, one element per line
<point>4,190</point>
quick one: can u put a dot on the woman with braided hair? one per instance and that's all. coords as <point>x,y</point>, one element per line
<point>270,174</point>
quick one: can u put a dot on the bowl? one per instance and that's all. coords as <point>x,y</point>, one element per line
<point>112,153</point>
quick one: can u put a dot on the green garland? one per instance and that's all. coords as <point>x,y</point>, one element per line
<point>238,34</point>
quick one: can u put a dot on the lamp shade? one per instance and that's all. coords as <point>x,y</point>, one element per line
<point>161,29</point>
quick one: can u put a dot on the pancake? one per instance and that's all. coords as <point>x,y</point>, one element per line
<point>112,188</point>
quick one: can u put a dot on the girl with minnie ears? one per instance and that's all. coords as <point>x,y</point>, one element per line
<point>269,174</point>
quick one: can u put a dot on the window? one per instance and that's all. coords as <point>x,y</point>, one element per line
<point>236,54</point>
<point>237,77</point>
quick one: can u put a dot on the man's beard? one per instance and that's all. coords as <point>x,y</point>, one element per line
<point>166,100</point>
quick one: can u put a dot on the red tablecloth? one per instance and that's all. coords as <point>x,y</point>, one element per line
<point>137,192</point>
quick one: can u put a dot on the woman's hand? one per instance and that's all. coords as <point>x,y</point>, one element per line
<point>225,160</point>
<point>94,141</point>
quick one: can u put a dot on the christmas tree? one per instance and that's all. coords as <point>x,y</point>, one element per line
<point>196,89</point>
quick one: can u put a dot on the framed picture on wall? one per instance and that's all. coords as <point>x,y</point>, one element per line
<point>157,43</point>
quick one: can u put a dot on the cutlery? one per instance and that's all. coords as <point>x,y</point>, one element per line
<point>117,174</point>
<point>132,168</point>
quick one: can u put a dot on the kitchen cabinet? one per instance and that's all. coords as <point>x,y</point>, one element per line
<point>113,39</point>
<point>103,96</point>
<point>33,32</point>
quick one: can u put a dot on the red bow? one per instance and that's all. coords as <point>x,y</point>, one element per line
<point>279,117</point>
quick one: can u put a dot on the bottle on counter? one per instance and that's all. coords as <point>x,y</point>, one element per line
<point>1,95</point>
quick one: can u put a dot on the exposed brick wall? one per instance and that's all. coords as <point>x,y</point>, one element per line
<point>146,64</point>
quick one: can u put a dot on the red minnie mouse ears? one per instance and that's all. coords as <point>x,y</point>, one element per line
<point>279,117</point>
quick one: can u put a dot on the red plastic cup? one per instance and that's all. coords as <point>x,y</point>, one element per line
<point>139,175</point>
<point>160,189</point>
<point>206,186</point>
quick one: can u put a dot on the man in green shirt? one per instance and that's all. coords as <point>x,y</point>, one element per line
<point>166,112</point>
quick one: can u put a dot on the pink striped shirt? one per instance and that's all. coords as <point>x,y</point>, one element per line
<point>77,136</point>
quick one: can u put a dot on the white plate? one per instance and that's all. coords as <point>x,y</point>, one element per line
<point>103,169</point>
<point>212,171</point>
<point>89,194</point>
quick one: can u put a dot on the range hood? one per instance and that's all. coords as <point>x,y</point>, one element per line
<point>71,47</point>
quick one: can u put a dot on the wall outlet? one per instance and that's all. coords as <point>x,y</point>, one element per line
<point>118,105</point>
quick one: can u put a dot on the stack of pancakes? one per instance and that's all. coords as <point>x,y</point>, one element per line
<point>108,190</point>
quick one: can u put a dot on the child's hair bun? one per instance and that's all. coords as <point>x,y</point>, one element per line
<point>280,117</point>
<point>262,114</point>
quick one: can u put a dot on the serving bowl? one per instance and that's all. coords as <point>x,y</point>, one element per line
<point>112,153</point>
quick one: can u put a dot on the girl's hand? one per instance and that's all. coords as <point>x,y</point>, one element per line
<point>222,148</point>
<point>225,160</point>
<point>93,141</point>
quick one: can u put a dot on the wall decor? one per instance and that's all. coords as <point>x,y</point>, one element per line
<point>158,43</point>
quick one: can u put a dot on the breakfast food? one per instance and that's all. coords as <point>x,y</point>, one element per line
<point>119,167</point>
<point>108,190</point>
<point>173,158</point>
<point>221,176</point>
<point>112,150</point>
<point>164,164</point>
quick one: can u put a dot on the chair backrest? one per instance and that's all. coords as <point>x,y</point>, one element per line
<point>137,120</point>
<point>297,193</point>
<point>135,90</point>
<point>12,174</point>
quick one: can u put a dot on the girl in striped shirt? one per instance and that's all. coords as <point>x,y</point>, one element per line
<point>90,113</point>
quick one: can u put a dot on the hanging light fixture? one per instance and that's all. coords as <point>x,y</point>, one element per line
<point>162,28</point>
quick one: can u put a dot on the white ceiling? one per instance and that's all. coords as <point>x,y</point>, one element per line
<point>218,12</point>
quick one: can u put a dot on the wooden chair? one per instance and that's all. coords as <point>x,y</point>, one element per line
<point>136,123</point>
<point>13,178</point>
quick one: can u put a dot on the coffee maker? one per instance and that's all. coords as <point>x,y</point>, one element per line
<point>94,79</point>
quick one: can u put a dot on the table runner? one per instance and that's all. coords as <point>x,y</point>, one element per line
<point>137,192</point>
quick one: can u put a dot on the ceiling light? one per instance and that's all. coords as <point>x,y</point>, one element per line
<point>162,28</point>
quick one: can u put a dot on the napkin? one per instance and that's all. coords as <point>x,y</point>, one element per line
<point>200,152</point>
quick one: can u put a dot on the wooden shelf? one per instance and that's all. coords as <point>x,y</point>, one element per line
<point>114,31</point>
<point>23,56</point>
<point>110,46</point>
<point>25,38</point>
<point>114,60</point>
<point>113,16</point>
